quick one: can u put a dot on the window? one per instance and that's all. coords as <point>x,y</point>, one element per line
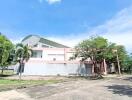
<point>54,59</point>
<point>45,46</point>
<point>36,45</point>
<point>37,54</point>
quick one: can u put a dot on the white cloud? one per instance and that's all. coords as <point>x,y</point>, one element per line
<point>16,41</point>
<point>40,1</point>
<point>117,30</point>
<point>70,40</point>
<point>52,1</point>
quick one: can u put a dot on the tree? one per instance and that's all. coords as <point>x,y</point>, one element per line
<point>116,54</point>
<point>127,64</point>
<point>6,47</point>
<point>23,53</point>
<point>99,49</point>
<point>93,48</point>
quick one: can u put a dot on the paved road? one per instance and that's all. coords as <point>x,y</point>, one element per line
<point>113,89</point>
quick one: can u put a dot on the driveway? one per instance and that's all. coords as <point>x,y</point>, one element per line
<point>81,89</point>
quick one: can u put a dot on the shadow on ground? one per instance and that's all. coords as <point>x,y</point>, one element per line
<point>121,89</point>
<point>128,79</point>
<point>2,75</point>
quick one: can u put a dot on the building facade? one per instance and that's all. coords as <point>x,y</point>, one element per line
<point>51,58</point>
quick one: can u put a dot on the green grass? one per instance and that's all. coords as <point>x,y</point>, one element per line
<point>7,72</point>
<point>6,84</point>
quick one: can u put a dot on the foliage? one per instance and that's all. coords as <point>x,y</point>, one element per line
<point>23,52</point>
<point>98,48</point>
<point>6,48</point>
<point>127,63</point>
<point>91,48</point>
<point>113,50</point>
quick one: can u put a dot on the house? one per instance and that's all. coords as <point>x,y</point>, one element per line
<point>52,58</point>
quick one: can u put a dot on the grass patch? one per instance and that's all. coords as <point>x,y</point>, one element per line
<point>6,84</point>
<point>6,72</point>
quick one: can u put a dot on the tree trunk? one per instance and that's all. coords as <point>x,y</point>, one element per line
<point>20,71</point>
<point>96,69</point>
<point>20,76</point>
<point>118,63</point>
<point>99,73</point>
<point>2,71</point>
<point>93,69</point>
<point>105,67</point>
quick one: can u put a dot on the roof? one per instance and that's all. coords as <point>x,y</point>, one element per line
<point>52,43</point>
<point>46,41</point>
<point>28,37</point>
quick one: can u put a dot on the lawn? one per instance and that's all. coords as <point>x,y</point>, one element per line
<point>7,72</point>
<point>9,84</point>
<point>6,84</point>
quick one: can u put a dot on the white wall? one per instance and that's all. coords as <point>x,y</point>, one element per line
<point>40,66</point>
<point>50,54</point>
<point>54,69</point>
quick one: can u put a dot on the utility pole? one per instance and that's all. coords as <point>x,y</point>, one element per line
<point>118,62</point>
<point>105,67</point>
<point>119,68</point>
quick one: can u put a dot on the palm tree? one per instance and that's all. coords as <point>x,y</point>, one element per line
<point>23,53</point>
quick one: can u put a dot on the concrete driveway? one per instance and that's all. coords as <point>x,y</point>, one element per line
<point>109,89</point>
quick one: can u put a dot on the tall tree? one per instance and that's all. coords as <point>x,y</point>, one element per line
<point>116,54</point>
<point>93,48</point>
<point>99,49</point>
<point>23,53</point>
<point>127,64</point>
<point>6,47</point>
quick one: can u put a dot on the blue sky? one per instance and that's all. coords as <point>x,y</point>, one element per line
<point>67,21</point>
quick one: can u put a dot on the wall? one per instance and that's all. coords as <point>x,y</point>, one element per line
<point>40,68</point>
<point>51,53</point>
<point>60,54</point>
<point>48,66</point>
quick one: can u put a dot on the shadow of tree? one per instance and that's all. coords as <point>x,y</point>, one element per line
<point>121,89</point>
<point>128,79</point>
<point>2,75</point>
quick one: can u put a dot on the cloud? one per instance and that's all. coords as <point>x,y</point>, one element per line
<point>70,40</point>
<point>16,40</point>
<point>119,24</point>
<point>118,30</point>
<point>40,1</point>
<point>53,1</point>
